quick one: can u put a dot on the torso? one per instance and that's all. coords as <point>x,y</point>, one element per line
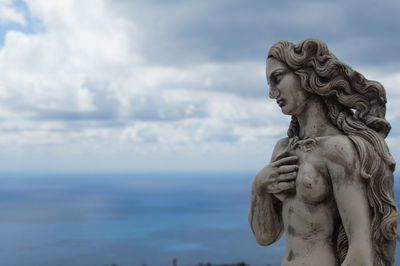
<point>310,213</point>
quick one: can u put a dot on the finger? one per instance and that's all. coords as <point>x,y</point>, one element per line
<point>287,177</point>
<point>287,169</point>
<point>286,160</point>
<point>286,185</point>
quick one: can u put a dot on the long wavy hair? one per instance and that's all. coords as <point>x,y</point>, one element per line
<point>357,107</point>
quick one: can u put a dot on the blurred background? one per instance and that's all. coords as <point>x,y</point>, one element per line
<point>130,131</point>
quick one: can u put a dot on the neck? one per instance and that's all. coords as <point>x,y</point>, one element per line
<point>314,121</point>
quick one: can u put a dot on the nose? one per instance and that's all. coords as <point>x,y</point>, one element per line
<point>273,92</point>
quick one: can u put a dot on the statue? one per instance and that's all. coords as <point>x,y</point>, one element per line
<point>329,184</point>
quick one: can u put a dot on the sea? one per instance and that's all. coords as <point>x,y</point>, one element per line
<point>130,219</point>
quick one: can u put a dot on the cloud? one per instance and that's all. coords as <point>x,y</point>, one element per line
<point>229,31</point>
<point>8,14</point>
<point>167,74</point>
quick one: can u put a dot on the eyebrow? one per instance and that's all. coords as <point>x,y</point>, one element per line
<point>279,69</point>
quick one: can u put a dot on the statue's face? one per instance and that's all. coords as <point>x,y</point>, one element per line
<point>284,86</point>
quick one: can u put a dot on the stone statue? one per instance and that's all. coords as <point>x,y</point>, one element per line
<point>329,184</point>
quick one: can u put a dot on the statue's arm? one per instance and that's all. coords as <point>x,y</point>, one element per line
<point>351,198</point>
<point>265,217</point>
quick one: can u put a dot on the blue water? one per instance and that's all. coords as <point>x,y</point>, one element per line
<point>128,219</point>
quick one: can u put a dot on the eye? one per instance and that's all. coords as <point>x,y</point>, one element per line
<point>277,77</point>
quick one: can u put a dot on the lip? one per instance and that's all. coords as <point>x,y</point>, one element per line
<point>280,102</point>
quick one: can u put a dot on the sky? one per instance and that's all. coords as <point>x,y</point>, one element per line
<point>168,85</point>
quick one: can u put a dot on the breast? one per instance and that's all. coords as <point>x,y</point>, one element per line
<point>311,186</point>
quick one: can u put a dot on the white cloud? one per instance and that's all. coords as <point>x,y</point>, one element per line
<point>81,44</point>
<point>8,14</point>
<point>83,87</point>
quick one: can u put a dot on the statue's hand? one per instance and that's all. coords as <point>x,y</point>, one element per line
<point>278,178</point>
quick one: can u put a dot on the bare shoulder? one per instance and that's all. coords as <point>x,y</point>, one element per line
<point>282,143</point>
<point>279,147</point>
<point>340,153</point>
<point>339,146</point>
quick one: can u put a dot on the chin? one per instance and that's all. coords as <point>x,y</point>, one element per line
<point>286,112</point>
<point>291,110</point>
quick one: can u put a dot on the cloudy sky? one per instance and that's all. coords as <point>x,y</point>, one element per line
<point>162,85</point>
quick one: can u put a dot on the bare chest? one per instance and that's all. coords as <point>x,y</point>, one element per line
<point>312,182</point>
<point>312,186</point>
<point>309,215</point>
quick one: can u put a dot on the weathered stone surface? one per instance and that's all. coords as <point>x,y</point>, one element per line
<point>329,184</point>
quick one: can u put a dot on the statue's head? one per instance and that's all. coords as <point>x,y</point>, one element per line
<point>313,70</point>
<point>285,87</point>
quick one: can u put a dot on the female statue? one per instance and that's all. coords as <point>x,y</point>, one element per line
<point>329,184</point>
